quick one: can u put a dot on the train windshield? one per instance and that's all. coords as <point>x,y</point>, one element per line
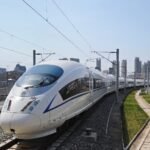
<point>39,76</point>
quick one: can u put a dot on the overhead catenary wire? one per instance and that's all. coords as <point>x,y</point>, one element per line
<point>22,39</point>
<point>103,57</point>
<point>15,51</point>
<point>19,38</point>
<point>43,59</point>
<point>75,28</point>
<point>55,28</point>
<point>68,19</point>
<point>46,9</point>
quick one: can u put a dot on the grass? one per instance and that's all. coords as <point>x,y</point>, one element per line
<point>133,117</point>
<point>145,95</point>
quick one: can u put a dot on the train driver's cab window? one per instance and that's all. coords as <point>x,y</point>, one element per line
<point>40,76</point>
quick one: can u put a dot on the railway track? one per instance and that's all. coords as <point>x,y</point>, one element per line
<point>90,130</point>
<point>41,143</point>
<point>34,144</point>
<point>96,119</point>
<point>96,129</point>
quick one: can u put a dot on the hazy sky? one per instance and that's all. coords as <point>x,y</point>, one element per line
<point>106,24</point>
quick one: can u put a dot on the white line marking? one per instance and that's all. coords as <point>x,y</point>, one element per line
<point>109,117</point>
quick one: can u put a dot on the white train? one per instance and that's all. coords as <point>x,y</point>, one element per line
<point>48,94</point>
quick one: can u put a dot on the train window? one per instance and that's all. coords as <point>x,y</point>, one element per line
<point>84,84</point>
<point>75,87</point>
<point>121,83</point>
<point>41,75</point>
<point>46,69</point>
<point>35,80</point>
<point>111,83</point>
<point>98,84</point>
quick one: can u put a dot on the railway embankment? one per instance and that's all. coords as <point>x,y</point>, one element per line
<point>135,120</point>
<point>100,127</point>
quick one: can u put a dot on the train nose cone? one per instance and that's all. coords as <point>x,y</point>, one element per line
<point>20,123</point>
<point>5,119</point>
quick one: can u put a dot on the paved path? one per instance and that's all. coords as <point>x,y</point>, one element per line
<point>143,141</point>
<point>142,103</point>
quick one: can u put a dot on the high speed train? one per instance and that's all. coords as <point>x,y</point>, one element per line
<point>49,94</point>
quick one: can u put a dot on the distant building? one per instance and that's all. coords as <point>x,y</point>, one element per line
<point>98,64</point>
<point>148,65</point>
<point>2,70</point>
<point>75,59</point>
<point>124,68</point>
<point>111,70</point>
<point>144,70</point>
<point>137,67</point>
<point>3,74</point>
<point>63,58</point>
<point>20,69</point>
<point>114,68</point>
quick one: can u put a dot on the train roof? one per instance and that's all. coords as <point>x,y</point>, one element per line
<point>71,65</point>
<point>64,64</point>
